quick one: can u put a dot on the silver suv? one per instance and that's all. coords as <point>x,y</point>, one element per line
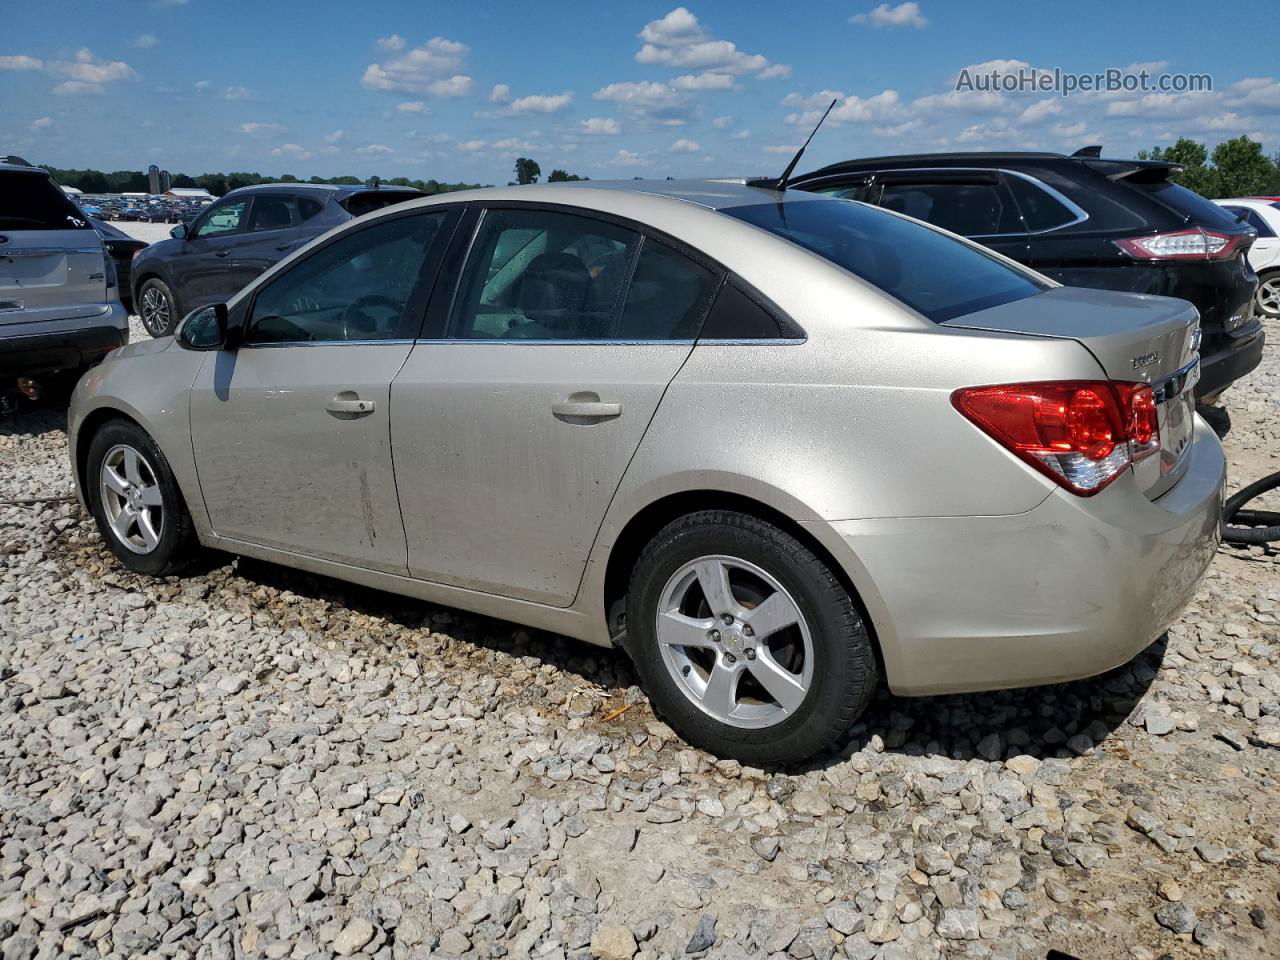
<point>60,310</point>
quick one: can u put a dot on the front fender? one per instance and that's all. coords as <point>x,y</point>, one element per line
<point>148,382</point>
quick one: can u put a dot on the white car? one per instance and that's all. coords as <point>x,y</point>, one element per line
<point>1264,255</point>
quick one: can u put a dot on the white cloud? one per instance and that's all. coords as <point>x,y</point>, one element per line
<point>705,81</point>
<point>782,148</point>
<point>412,106</point>
<point>76,88</point>
<point>626,158</point>
<point>511,144</point>
<point>202,85</point>
<point>393,42</point>
<point>43,123</point>
<point>473,146</point>
<point>334,137</point>
<point>684,145</point>
<point>885,105</point>
<point>541,103</point>
<point>740,135</point>
<point>145,41</point>
<point>722,123</point>
<point>679,40</point>
<point>501,93</point>
<point>291,151</point>
<point>903,15</point>
<point>261,129</point>
<point>237,93</point>
<point>433,68</point>
<point>1039,111</point>
<point>600,126</point>
<point>21,62</point>
<point>86,74</point>
<point>648,100</point>
<point>374,150</point>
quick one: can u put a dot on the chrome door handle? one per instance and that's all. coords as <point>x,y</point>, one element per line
<point>222,253</point>
<point>357,407</point>
<point>586,410</point>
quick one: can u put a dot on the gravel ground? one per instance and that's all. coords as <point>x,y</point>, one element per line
<point>256,762</point>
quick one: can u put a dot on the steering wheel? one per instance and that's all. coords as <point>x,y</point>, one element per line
<point>355,319</point>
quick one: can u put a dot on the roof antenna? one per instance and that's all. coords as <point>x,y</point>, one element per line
<point>781,183</point>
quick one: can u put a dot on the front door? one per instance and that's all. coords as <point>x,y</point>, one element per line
<point>513,430</point>
<point>271,236</point>
<point>291,431</point>
<point>202,268</point>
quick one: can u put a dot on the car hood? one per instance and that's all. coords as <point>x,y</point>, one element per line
<point>142,348</point>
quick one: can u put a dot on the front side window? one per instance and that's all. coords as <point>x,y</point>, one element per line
<point>222,220</point>
<point>969,209</point>
<point>543,275</point>
<point>357,288</point>
<point>272,213</point>
<point>936,275</point>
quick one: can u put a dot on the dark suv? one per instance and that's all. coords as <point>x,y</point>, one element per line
<point>1086,222</point>
<point>239,237</point>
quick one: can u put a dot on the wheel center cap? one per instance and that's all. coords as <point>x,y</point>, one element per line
<point>732,639</point>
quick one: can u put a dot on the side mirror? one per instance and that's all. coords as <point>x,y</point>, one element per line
<point>179,232</point>
<point>208,329</point>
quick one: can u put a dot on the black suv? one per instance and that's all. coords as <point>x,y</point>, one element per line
<point>1086,222</point>
<point>237,238</point>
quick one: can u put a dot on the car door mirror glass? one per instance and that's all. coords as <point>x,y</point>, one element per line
<point>205,329</point>
<point>179,232</point>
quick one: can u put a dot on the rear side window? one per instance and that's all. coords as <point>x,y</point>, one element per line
<point>969,209</point>
<point>308,207</point>
<point>31,201</point>
<point>736,316</point>
<point>668,297</point>
<point>1187,204</point>
<point>936,275</point>
<point>1252,218</point>
<point>358,204</point>
<point>1041,211</point>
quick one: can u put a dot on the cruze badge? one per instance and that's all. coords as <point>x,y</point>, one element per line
<point>1145,360</point>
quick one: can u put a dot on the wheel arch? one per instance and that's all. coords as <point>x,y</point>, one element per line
<point>645,523</point>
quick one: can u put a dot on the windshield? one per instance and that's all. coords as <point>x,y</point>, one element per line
<point>929,271</point>
<point>30,201</point>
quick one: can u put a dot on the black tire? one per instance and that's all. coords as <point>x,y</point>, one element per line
<point>178,546</point>
<point>845,674</point>
<point>161,318</point>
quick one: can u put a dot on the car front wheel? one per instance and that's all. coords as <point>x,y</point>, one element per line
<point>136,503</point>
<point>747,642</point>
<point>157,308</point>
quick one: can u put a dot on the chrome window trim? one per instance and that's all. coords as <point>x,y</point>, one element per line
<point>322,343</point>
<point>1080,214</point>
<point>775,341</point>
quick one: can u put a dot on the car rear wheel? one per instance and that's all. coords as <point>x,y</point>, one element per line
<point>136,503</point>
<point>157,308</point>
<point>1268,298</point>
<point>747,642</point>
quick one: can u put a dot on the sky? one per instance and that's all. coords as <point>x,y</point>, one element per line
<point>457,91</point>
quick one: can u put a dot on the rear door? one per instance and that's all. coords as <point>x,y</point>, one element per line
<point>271,233</point>
<point>973,203</point>
<point>513,424</point>
<point>52,261</point>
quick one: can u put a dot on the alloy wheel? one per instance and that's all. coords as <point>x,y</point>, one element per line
<point>131,499</point>
<point>1269,297</point>
<point>735,642</point>
<point>155,312</point>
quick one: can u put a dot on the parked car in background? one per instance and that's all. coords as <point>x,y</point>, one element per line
<point>1086,222</point>
<point>235,239</point>
<point>699,420</point>
<point>122,248</point>
<point>59,312</point>
<point>1263,214</point>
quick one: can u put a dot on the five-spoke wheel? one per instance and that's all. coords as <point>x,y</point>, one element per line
<point>131,499</point>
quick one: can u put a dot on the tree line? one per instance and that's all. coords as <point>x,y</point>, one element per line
<point>135,181</point>
<point>1235,168</point>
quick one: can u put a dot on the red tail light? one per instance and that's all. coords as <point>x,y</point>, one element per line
<point>1080,433</point>
<point>1193,244</point>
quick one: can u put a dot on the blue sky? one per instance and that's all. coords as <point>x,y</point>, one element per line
<point>458,90</point>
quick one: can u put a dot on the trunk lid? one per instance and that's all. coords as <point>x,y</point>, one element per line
<point>1136,339</point>
<point>51,275</point>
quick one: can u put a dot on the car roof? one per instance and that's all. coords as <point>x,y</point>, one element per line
<point>711,194</point>
<point>988,159</point>
<point>336,188</point>
<point>23,168</point>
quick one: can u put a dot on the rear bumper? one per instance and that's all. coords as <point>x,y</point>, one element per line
<point>1069,589</point>
<point>33,350</point>
<point>1231,360</point>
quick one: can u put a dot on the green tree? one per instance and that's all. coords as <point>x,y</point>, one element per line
<point>560,176</point>
<point>527,171</point>
<point>1196,174</point>
<point>1243,169</point>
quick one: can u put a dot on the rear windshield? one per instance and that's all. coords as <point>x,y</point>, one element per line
<point>1189,204</point>
<point>31,201</point>
<point>930,272</point>
<point>358,204</point>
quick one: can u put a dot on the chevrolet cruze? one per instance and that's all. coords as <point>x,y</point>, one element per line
<point>775,446</point>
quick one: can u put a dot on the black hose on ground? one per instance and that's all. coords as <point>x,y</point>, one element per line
<point>1253,527</point>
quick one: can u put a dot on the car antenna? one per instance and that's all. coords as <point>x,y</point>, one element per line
<point>781,183</point>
